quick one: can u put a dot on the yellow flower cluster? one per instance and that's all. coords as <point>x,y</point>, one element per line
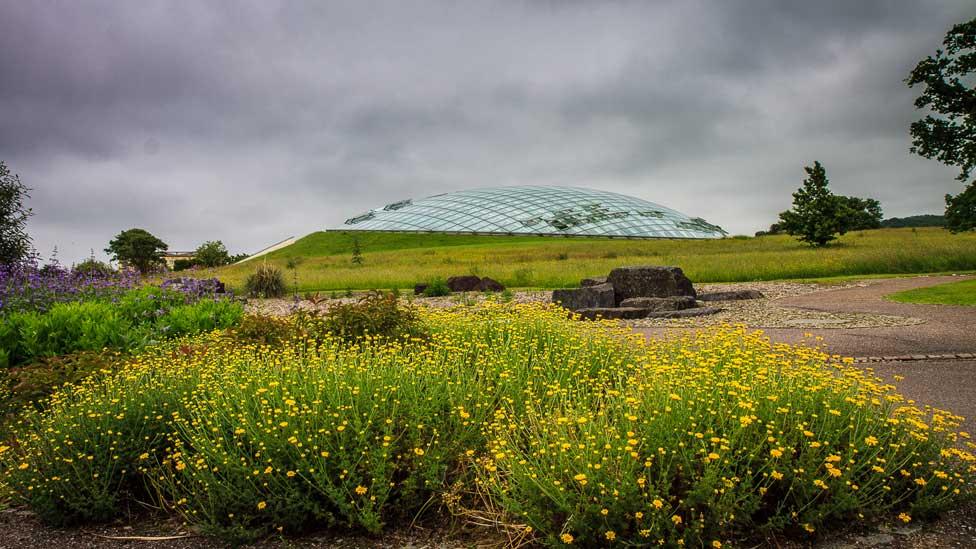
<point>583,432</point>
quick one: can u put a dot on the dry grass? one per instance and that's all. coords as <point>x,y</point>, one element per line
<point>322,261</point>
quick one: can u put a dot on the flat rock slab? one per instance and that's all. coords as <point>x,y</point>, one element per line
<point>587,297</point>
<point>630,313</point>
<point>615,313</point>
<point>735,295</point>
<point>593,281</point>
<point>674,303</point>
<point>649,281</point>
<point>686,313</point>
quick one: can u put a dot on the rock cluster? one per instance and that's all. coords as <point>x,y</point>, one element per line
<point>634,292</point>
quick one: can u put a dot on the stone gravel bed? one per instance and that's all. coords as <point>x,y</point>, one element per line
<point>757,313</point>
<point>766,313</point>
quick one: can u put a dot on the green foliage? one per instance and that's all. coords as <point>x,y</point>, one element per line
<point>137,248</point>
<point>184,264</point>
<point>817,215</point>
<point>265,329</point>
<point>15,243</point>
<point>30,383</point>
<point>93,267</point>
<point>569,429</point>
<point>212,253</point>
<point>377,316</point>
<point>266,281</point>
<point>949,133</point>
<point>138,318</point>
<point>357,252</point>
<point>953,293</point>
<point>924,220</point>
<point>960,212</point>
<point>507,295</point>
<point>437,288</point>
<point>860,214</point>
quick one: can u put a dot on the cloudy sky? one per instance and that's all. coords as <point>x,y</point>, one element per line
<point>251,122</point>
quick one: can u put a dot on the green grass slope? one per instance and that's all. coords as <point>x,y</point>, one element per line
<point>403,259</point>
<point>953,293</point>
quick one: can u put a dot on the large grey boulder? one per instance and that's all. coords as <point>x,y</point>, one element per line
<point>601,295</point>
<point>649,281</point>
<point>733,295</point>
<point>673,303</point>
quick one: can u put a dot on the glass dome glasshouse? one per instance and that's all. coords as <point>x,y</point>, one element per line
<point>566,211</point>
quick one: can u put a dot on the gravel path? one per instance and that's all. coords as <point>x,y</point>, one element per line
<point>766,313</point>
<point>934,330</point>
<point>770,312</point>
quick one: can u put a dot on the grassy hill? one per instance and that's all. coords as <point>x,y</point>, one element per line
<point>322,260</point>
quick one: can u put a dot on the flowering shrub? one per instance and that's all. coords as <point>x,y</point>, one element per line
<point>29,287</point>
<point>377,314</point>
<point>573,433</point>
<point>195,287</point>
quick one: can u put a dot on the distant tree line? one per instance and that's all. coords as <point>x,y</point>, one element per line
<point>924,220</point>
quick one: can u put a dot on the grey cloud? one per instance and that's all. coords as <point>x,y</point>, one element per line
<point>249,122</point>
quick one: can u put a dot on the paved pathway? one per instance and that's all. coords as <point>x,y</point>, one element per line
<point>948,329</point>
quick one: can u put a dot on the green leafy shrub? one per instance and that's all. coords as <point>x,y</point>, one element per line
<point>584,434</point>
<point>184,264</point>
<point>376,315</point>
<point>437,288</point>
<point>94,268</point>
<point>265,329</point>
<point>266,281</point>
<point>139,317</point>
<point>32,382</point>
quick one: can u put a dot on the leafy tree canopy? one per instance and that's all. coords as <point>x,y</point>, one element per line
<point>212,253</point>
<point>861,213</point>
<point>138,248</point>
<point>816,217</point>
<point>948,133</point>
<point>15,243</point>
<point>961,210</point>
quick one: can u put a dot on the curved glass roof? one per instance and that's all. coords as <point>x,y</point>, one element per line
<point>535,210</point>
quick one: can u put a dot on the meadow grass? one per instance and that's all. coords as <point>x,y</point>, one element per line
<point>514,415</point>
<point>322,261</point>
<point>953,293</point>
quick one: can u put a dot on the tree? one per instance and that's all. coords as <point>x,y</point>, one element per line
<point>961,210</point>
<point>138,248</point>
<point>357,252</point>
<point>212,253</point>
<point>15,243</point>
<point>860,214</point>
<point>948,134</point>
<point>816,217</point>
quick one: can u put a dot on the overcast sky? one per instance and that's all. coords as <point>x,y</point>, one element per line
<point>249,122</point>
